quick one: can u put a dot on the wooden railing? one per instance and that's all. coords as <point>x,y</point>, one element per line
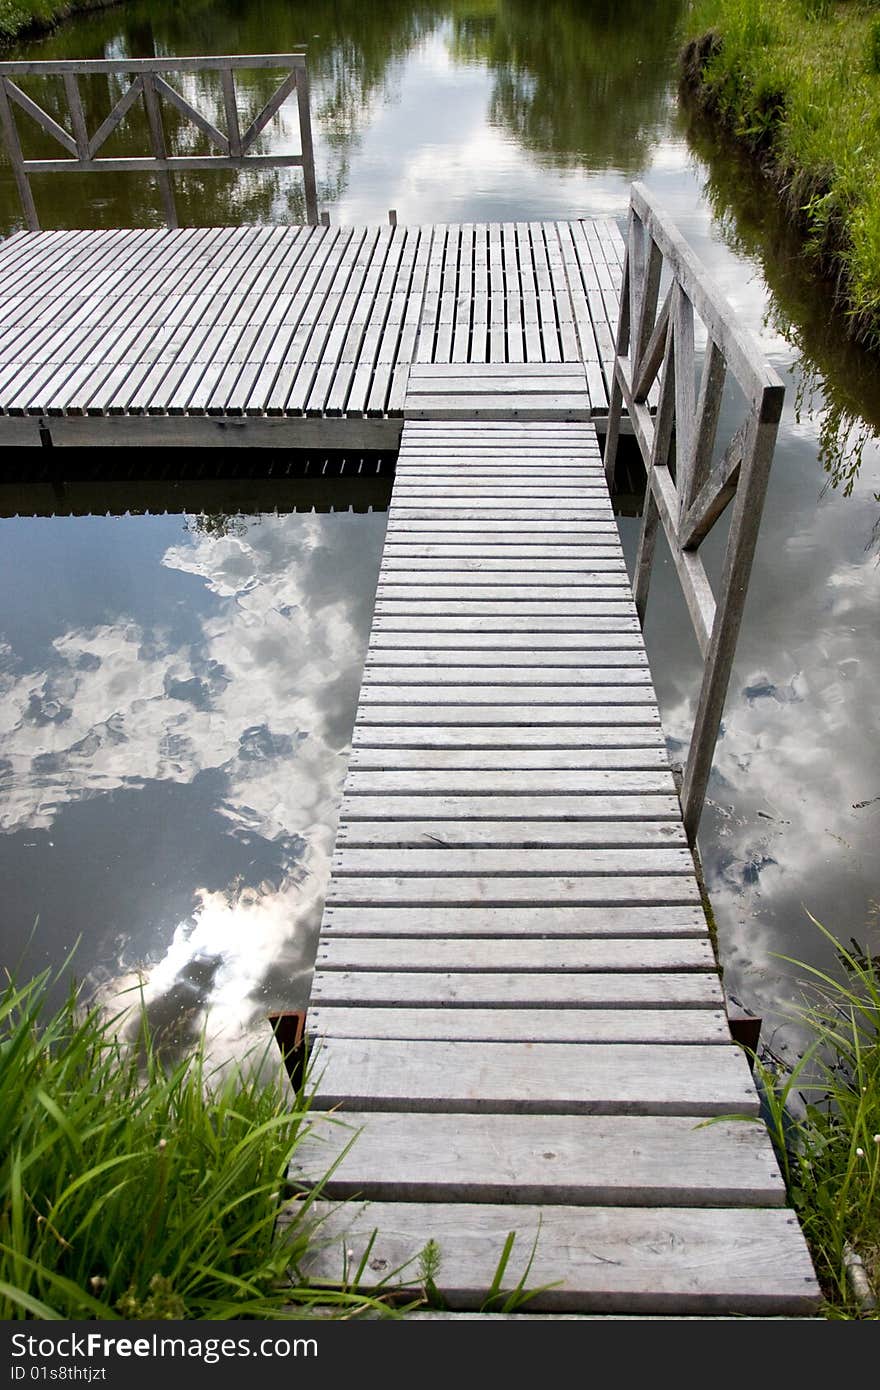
<point>685,490</point>
<point>147,84</point>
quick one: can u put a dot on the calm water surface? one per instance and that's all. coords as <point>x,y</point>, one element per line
<point>176,696</point>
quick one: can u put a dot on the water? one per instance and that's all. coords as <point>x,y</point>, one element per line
<point>177,703</point>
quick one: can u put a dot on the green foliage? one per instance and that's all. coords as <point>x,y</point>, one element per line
<point>18,16</point>
<point>874,47</point>
<point>131,1187</point>
<point>829,1144</point>
<point>799,81</point>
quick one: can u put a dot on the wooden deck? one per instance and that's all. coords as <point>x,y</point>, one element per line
<point>286,336</point>
<point>516,1005</point>
<point>515,999</point>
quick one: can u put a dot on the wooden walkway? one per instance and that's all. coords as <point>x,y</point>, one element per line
<point>286,336</point>
<point>515,1000</point>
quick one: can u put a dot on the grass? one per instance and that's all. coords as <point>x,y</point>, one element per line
<point>37,16</point>
<point>829,1147</point>
<point>135,1188</point>
<point>798,81</point>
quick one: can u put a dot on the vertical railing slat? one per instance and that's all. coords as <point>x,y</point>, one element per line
<point>16,159</point>
<point>693,424</point>
<point>308,154</point>
<point>233,128</point>
<point>157,137</point>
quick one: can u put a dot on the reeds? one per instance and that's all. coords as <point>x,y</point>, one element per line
<point>131,1187</point>
<point>829,1146</point>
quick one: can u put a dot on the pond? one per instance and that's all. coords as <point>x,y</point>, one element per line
<point>177,688</point>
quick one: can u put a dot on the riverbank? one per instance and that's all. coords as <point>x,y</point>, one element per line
<point>824,1118</point>
<point>23,18</point>
<point>798,83</point>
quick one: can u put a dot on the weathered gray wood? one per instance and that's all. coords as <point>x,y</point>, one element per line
<point>493,759</point>
<point>511,953</point>
<point>381,658</point>
<point>602,1259</point>
<point>689,504</point>
<point>542,920</point>
<point>523,834</point>
<point>208,63</point>
<point>376,692</point>
<point>515,714</point>
<point>16,159</point>
<point>490,1078</point>
<point>504,989</point>
<point>149,83</point>
<point>517,644</point>
<point>487,862</point>
<point>479,808</point>
<point>522,1024</point>
<point>497,890</point>
<point>641,1161</point>
<point>509,782</point>
<point>483,736</point>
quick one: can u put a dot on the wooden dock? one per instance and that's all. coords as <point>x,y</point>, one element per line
<point>516,1005</point>
<point>288,337</point>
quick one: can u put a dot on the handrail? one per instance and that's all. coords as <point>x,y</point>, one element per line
<point>657,340</point>
<point>148,84</point>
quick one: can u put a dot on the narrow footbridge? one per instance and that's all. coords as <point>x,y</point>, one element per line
<point>518,1019</point>
<point>517,1022</point>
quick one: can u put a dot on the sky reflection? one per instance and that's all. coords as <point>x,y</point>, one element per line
<point>171,788</point>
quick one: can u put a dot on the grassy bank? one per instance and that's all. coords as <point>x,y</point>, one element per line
<point>21,17</point>
<point>798,82</point>
<point>825,1123</point>
<point>134,1188</point>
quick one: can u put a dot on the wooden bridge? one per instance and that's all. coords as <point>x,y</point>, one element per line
<point>516,1007</point>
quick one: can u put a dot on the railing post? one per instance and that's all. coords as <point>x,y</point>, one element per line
<point>748,505</point>
<point>157,135</point>
<point>308,154</point>
<point>664,423</point>
<point>615,404</point>
<point>77,115</point>
<point>233,129</point>
<point>16,159</point>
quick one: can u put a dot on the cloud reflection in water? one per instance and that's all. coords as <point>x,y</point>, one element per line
<point>175,801</point>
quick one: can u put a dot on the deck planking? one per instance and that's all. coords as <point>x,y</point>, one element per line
<point>302,335</point>
<point>516,1017</point>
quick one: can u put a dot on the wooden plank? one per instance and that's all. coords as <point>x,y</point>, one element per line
<point>513,714</point>
<point>595,640</point>
<point>509,782</point>
<point>513,808</point>
<point>489,371</point>
<point>634,1160</point>
<point>495,759</point>
<point>485,863</point>
<point>567,406</point>
<point>525,659</point>
<point>489,1078</point>
<point>496,890</point>
<point>602,1259</point>
<point>540,625</point>
<point>511,954</point>
<point>522,1024</point>
<point>485,736</point>
<point>511,382</point>
<point>537,920</point>
<point>518,834</point>
<point>377,692</point>
<point>453,989</point>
